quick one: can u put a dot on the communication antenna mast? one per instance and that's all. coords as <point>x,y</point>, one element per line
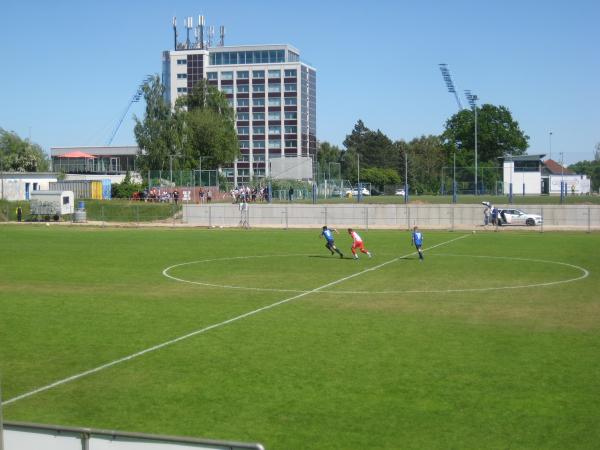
<point>175,32</point>
<point>449,84</point>
<point>188,26</point>
<point>200,28</point>
<point>211,35</point>
<point>222,41</point>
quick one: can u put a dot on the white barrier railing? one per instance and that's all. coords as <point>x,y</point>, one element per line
<point>32,436</point>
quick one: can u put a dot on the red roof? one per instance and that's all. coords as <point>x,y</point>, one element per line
<point>556,169</point>
<point>76,154</point>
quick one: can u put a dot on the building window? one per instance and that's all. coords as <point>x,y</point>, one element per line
<point>258,130</point>
<point>181,75</point>
<point>258,116</point>
<point>290,87</point>
<point>258,102</point>
<point>243,172</point>
<point>258,74</point>
<point>258,88</point>
<point>274,73</point>
<point>290,129</point>
<point>228,89</point>
<point>243,130</point>
<point>211,75</point>
<point>275,129</point>
<point>243,102</point>
<point>243,75</point>
<point>258,158</point>
<point>290,144</point>
<point>243,116</point>
<point>227,76</point>
<point>181,61</point>
<point>258,144</point>
<point>181,90</point>
<point>244,144</point>
<point>274,88</point>
<point>274,143</point>
<point>274,115</point>
<point>290,115</point>
<point>275,101</point>
<point>244,158</point>
<point>290,102</point>
<point>230,102</point>
<point>243,88</point>
<point>289,73</point>
<point>259,172</point>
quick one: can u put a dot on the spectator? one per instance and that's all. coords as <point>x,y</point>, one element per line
<point>176,196</point>
<point>209,196</point>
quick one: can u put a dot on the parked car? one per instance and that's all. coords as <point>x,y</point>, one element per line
<point>354,192</point>
<point>518,217</point>
<point>400,192</point>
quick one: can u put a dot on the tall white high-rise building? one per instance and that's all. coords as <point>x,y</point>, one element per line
<point>272,91</point>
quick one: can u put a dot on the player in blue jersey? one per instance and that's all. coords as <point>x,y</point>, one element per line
<point>417,241</point>
<point>330,245</point>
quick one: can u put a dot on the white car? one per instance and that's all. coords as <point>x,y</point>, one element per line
<point>400,192</point>
<point>518,217</point>
<point>354,192</point>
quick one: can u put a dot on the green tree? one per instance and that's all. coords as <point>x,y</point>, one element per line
<point>209,127</point>
<point>21,155</point>
<point>160,133</point>
<point>201,125</point>
<point>327,154</point>
<point>426,157</point>
<point>379,177</point>
<point>498,134</point>
<point>374,147</point>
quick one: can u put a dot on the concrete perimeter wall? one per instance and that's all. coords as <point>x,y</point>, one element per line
<point>585,217</point>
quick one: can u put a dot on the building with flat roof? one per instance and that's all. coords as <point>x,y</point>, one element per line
<point>272,91</point>
<point>530,174</point>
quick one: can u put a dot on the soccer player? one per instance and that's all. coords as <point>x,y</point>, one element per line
<point>417,240</point>
<point>330,245</point>
<point>357,243</point>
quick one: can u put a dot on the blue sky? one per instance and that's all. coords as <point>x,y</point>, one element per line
<point>69,68</point>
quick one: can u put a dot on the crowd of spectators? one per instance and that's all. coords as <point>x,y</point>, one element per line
<point>243,194</point>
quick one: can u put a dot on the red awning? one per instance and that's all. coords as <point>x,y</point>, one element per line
<point>76,154</point>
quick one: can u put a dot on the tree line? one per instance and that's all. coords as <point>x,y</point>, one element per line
<point>200,131</point>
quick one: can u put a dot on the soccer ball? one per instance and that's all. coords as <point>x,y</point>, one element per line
<point>474,231</point>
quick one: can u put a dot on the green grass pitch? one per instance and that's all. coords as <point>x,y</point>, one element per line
<point>492,342</point>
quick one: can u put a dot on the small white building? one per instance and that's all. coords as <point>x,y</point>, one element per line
<point>531,175</point>
<point>524,173</point>
<point>15,186</point>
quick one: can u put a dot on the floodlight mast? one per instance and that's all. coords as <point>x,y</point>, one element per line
<point>449,84</point>
<point>472,99</point>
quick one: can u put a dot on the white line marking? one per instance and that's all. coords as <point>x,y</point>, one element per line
<point>208,328</point>
<point>584,271</point>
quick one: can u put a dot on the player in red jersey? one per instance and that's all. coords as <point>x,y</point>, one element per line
<point>357,243</point>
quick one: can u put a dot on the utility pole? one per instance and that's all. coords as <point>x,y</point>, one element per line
<point>358,176</point>
<point>454,177</point>
<point>405,177</point>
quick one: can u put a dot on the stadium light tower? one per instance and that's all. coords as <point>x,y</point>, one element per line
<point>472,98</point>
<point>449,84</point>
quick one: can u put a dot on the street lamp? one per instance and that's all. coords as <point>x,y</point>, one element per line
<point>550,144</point>
<point>472,98</point>
<point>563,190</point>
